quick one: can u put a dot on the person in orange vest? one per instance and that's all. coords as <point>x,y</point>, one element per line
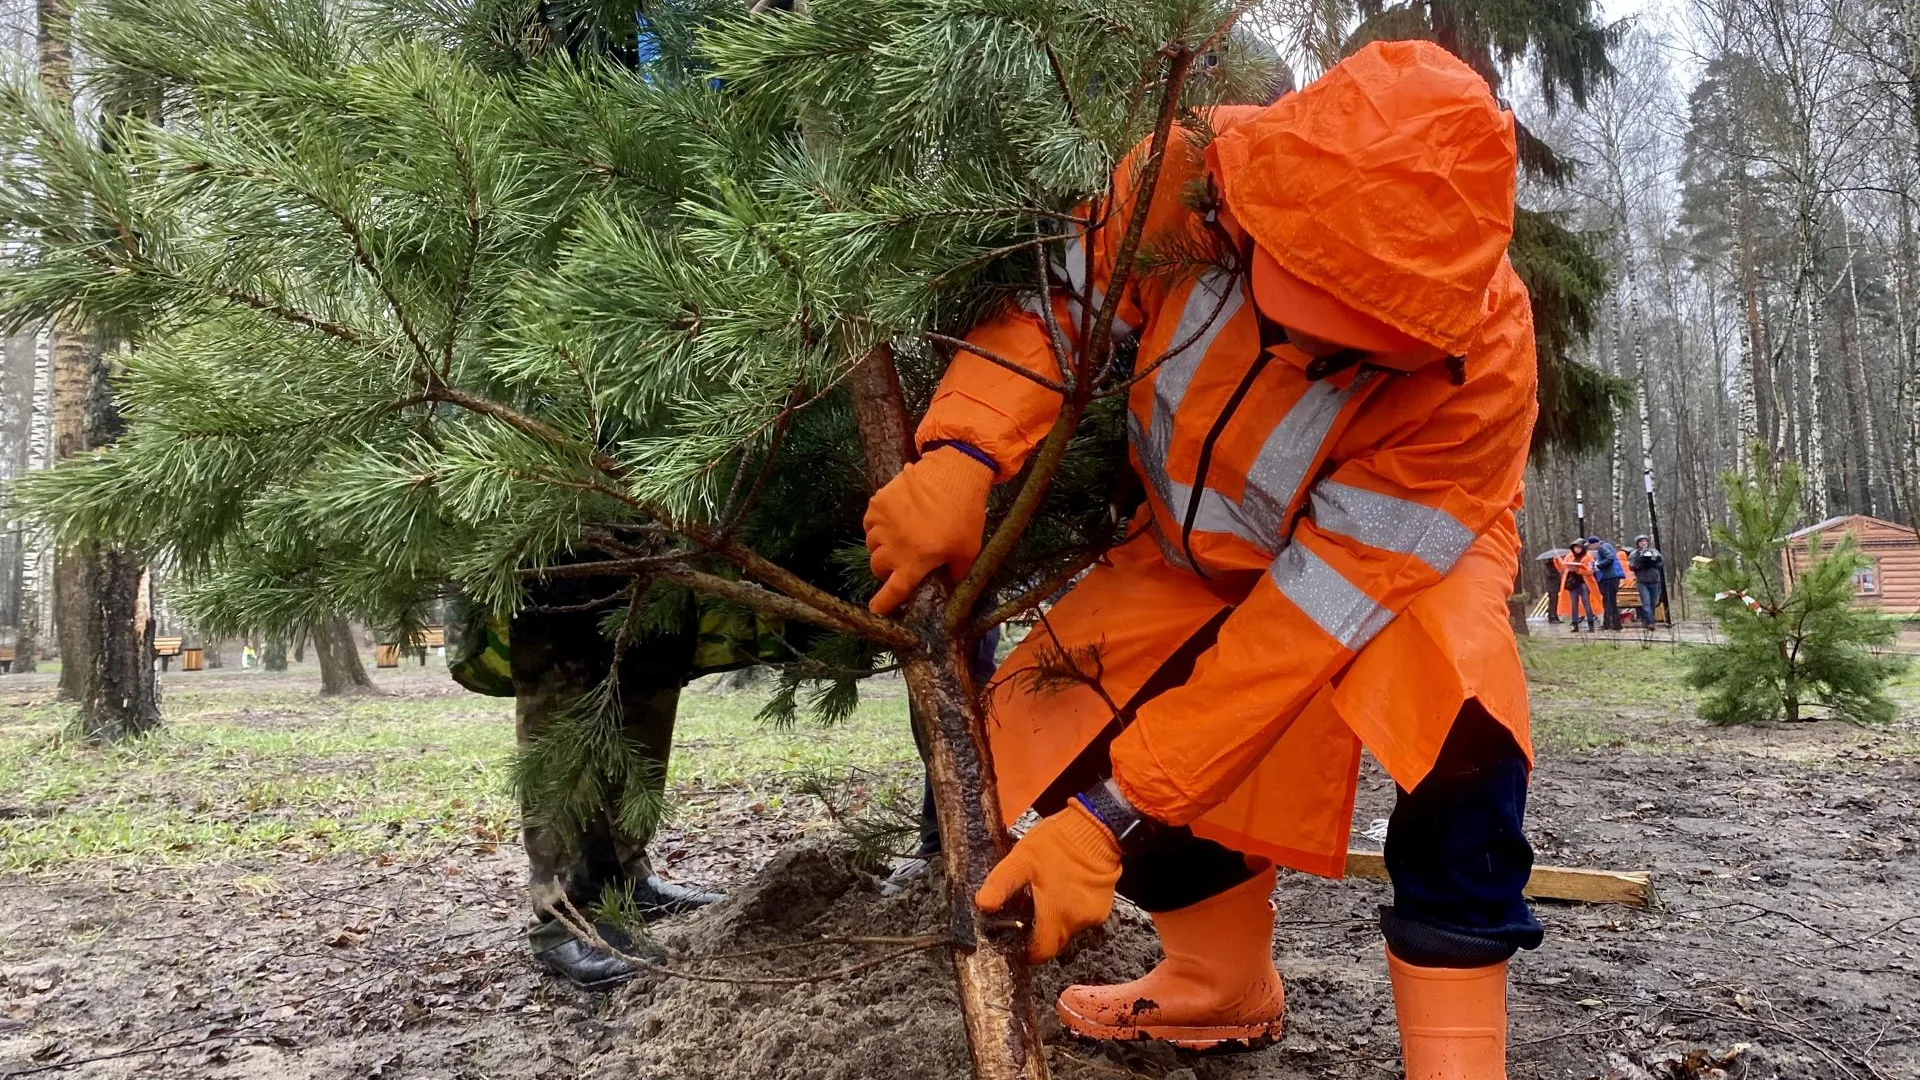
<point>1331,435</point>
<point>1583,590</point>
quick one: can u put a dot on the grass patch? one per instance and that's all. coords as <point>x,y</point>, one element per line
<point>286,774</point>
<point>719,744</point>
<point>249,766</point>
<point>1602,693</point>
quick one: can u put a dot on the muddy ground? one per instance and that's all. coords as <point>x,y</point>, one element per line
<point>1786,941</point>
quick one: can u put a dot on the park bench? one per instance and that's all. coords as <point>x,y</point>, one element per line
<point>387,655</point>
<point>6,659</point>
<point>166,648</point>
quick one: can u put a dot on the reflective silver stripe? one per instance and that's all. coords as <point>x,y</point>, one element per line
<point>1171,380</point>
<point>1070,279</point>
<point>1289,452</point>
<point>1391,524</point>
<point>1076,268</point>
<point>1347,614</point>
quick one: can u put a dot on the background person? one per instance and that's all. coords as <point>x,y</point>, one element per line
<point>1609,576</point>
<point>1649,575</point>
<point>1580,585</point>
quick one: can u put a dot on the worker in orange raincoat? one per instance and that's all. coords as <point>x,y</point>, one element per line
<point>1583,589</point>
<point>1331,439</point>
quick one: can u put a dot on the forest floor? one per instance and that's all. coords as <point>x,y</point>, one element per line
<point>280,885</point>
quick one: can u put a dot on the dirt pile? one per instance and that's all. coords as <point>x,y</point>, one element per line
<point>898,1020</point>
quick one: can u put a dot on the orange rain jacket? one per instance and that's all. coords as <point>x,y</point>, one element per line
<point>1582,566</point>
<point>1359,526</point>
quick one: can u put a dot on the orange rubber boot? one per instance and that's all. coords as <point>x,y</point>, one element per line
<point>1216,989</point>
<point>1453,1021</point>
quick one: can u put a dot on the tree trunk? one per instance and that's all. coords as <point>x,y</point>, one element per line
<point>1906,289</point>
<point>72,377</point>
<point>1616,466</point>
<point>26,646</point>
<point>1817,500</point>
<point>996,991</point>
<point>102,598</point>
<point>210,653</point>
<point>1857,375</point>
<point>123,697</point>
<point>273,654</point>
<point>341,671</point>
<point>37,606</point>
<point>1748,428</point>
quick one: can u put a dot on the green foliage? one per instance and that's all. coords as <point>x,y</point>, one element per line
<point>427,296</point>
<point>1788,642</point>
<point>1566,281</point>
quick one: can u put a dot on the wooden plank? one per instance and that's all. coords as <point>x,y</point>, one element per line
<point>1633,888</point>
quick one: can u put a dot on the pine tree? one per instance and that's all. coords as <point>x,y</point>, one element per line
<point>439,297</point>
<point>1790,641</point>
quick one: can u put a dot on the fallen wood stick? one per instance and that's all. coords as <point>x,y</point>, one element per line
<point>1633,888</point>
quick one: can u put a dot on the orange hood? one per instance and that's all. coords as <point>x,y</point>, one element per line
<point>1387,183</point>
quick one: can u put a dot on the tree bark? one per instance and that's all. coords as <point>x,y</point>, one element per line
<point>341,671</point>
<point>26,646</point>
<point>102,598</point>
<point>1747,426</point>
<point>72,377</point>
<point>273,654</point>
<point>1817,490</point>
<point>123,697</point>
<point>996,990</point>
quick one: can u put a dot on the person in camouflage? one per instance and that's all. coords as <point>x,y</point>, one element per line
<point>547,656</point>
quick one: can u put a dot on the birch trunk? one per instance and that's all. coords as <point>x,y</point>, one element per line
<point>1642,388</point>
<point>1818,498</point>
<point>1616,466</point>
<point>35,603</point>
<point>1747,428</point>
<point>1857,378</point>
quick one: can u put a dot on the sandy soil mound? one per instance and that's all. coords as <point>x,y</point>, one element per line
<point>898,1020</point>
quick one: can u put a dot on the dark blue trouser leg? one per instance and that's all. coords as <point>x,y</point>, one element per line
<point>1457,855</point>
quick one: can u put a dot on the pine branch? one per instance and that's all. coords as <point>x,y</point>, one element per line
<point>349,228</point>
<point>1047,461</point>
<point>766,601</point>
<point>994,358</point>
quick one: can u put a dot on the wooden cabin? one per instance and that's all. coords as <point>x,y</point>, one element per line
<point>1890,581</point>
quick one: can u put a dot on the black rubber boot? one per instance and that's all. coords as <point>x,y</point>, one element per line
<point>661,899</point>
<point>587,966</point>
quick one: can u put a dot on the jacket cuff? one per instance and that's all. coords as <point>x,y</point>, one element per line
<point>968,449</point>
<point>962,418</point>
<point>1147,784</point>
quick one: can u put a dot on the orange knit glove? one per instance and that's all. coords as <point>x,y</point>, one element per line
<point>929,516</point>
<point>1072,863</point>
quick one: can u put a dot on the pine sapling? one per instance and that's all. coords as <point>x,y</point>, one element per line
<point>1791,638</point>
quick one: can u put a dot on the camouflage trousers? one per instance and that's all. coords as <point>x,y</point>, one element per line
<point>556,657</point>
